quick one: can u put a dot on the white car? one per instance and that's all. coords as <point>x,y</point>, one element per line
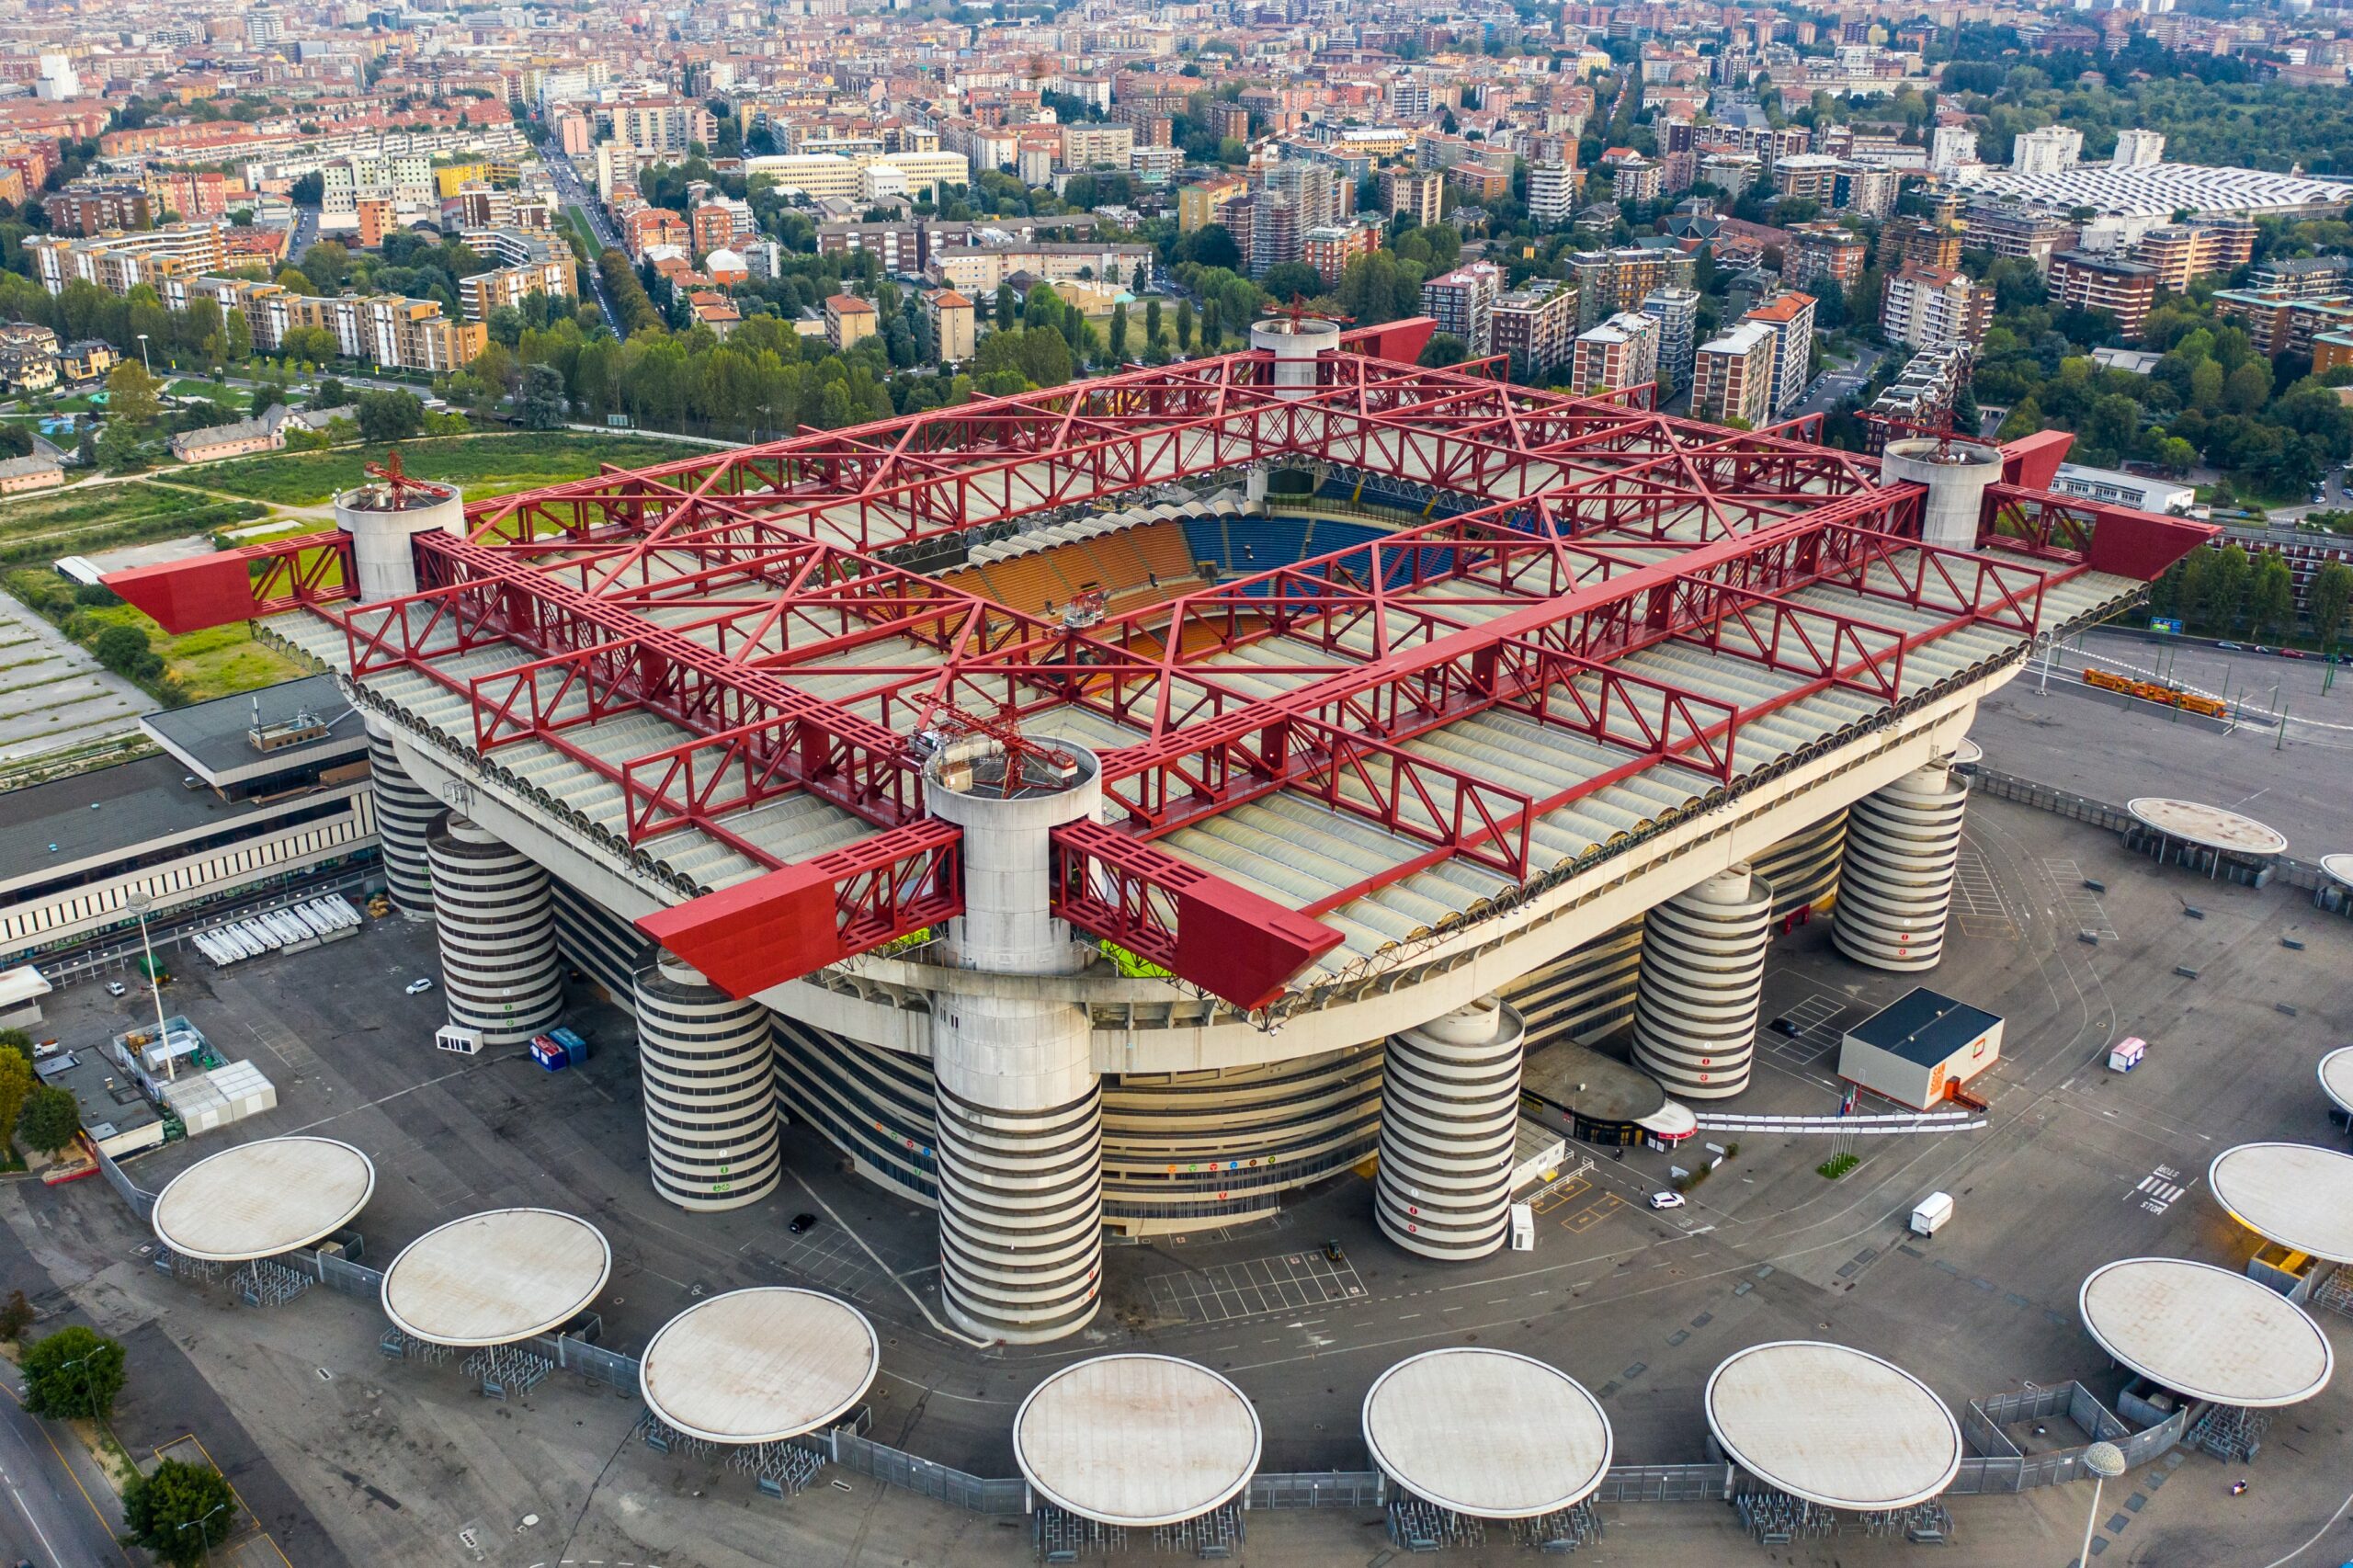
<point>1667,1200</point>
<point>115,988</point>
<point>419,987</point>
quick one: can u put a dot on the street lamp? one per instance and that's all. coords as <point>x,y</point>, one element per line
<point>144,362</point>
<point>139,901</point>
<point>2106,1461</point>
<point>205,1540</point>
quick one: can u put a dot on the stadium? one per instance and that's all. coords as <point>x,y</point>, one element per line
<point>1116,805</point>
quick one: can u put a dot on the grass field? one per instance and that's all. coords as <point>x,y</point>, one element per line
<point>234,402</point>
<point>484,465</point>
<point>45,524</point>
<point>586,231</point>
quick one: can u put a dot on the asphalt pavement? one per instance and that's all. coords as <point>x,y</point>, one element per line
<point>49,1517</point>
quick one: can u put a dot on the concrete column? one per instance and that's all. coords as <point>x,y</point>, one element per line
<point>1896,880</point>
<point>1449,1109</point>
<point>1955,473</point>
<point>384,564</point>
<point>707,1068</point>
<point>1703,971</point>
<point>495,916</point>
<point>1019,1106</point>
<point>405,815</point>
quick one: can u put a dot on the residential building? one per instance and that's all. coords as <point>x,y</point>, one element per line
<point>1617,353</point>
<point>2302,277</point>
<point>2125,289</point>
<point>2280,323</point>
<point>659,125</point>
<point>2008,226</point>
<point>1808,176</point>
<point>1316,191</point>
<point>484,292</point>
<point>1552,193</point>
<point>1789,317</point>
<point>376,221</point>
<point>1676,310</point>
<point>820,174</point>
<point>1917,241</point>
<point>952,324</point>
<point>848,321</point>
<point>2138,149</point>
<point>1924,308</point>
<point>265,432</point>
<point>1461,300</point>
<point>1867,190</point>
<point>93,207</point>
<point>1636,180</point>
<point>1824,256</point>
<point>1203,203</point>
<point>1092,145</point>
<point>87,361</point>
<point>2054,149</point>
<point>1330,249</point>
<point>2199,249</point>
<point>1951,147</point>
<point>34,472</point>
<point>27,357</point>
<point>1923,390</point>
<point>1421,192</point>
<point>119,263</point>
<point>1535,325</point>
<point>1731,376</point>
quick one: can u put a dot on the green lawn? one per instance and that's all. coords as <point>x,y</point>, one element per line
<point>483,465</point>
<point>218,662</point>
<point>585,230</point>
<point>48,524</point>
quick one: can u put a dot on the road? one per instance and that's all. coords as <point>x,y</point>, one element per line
<point>305,234</point>
<point>578,196</point>
<point>1833,387</point>
<point>49,1517</point>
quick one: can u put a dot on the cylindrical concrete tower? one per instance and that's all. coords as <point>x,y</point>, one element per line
<point>1955,473</point>
<point>1295,346</point>
<point>381,518</point>
<point>1895,882</point>
<point>707,1068</point>
<point>1449,1106</point>
<point>495,918</point>
<point>1020,1108</point>
<point>405,815</point>
<point>1703,970</point>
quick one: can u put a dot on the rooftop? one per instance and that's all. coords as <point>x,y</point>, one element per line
<point>1922,1026</point>
<point>2206,1332</point>
<point>214,739</point>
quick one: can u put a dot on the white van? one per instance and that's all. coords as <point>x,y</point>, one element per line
<point>1928,1215</point>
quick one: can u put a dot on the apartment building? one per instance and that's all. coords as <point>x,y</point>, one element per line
<point>850,321</point>
<point>1318,192</point>
<point>1918,242</point>
<point>2302,277</point>
<point>484,292</point>
<point>1421,192</point>
<point>669,126</point>
<point>1536,325</point>
<point>1463,301</point>
<point>2008,226</point>
<point>406,179</point>
<point>1619,352</point>
<point>976,270</point>
<point>93,207</point>
<point>952,324</point>
<point>1731,376</point>
<point>1790,318</point>
<point>119,263</point>
<point>820,174</point>
<point>2199,249</point>
<point>1925,308</point>
<point>2280,323</point>
<point>1551,192</point>
<point>1201,204</point>
<point>1824,256</point>
<point>2125,289</point>
<point>1330,249</point>
<point>1613,281</point>
<point>1676,310</point>
<point>2054,149</point>
<point>1808,176</point>
<point>1089,146</point>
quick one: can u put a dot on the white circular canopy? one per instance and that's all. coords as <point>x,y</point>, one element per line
<point>1137,1440</point>
<point>262,1199</point>
<point>2211,826</point>
<point>495,1278</point>
<point>1488,1433</point>
<point>2337,1076</point>
<point>759,1366</point>
<point>1833,1425</point>
<point>2289,1193</point>
<point>2206,1332</point>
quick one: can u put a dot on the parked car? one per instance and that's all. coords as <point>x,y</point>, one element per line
<point>419,987</point>
<point>1667,1200</point>
<point>115,988</point>
<point>801,1222</point>
<point>1783,1025</point>
<point>1333,1252</point>
<point>2233,646</point>
<point>2294,653</point>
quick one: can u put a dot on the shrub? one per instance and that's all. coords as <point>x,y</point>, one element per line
<point>74,1371</point>
<point>1837,1167</point>
<point>181,1511</point>
<point>51,1119</point>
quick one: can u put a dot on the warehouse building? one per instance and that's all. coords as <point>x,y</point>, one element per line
<point>1921,1051</point>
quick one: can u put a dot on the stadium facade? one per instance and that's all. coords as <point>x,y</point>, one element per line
<point>1125,803</point>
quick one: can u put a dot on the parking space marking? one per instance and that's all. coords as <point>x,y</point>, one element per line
<point>1283,1283</point>
<point>2078,906</point>
<point>1982,913</point>
<point>1816,1016</point>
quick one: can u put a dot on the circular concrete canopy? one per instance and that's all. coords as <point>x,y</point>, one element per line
<point>2339,869</point>
<point>262,1199</point>
<point>1137,1440</point>
<point>1488,1433</point>
<point>759,1366</point>
<point>495,1278</point>
<point>1833,1425</point>
<point>2206,1332</point>
<point>2337,1076</point>
<point>2209,826</point>
<point>2293,1194</point>
<point>1967,753</point>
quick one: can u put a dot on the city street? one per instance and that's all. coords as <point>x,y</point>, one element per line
<point>1835,386</point>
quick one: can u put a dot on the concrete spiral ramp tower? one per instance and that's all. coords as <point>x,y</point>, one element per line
<point>1703,971</point>
<point>405,815</point>
<point>705,1063</point>
<point>1449,1106</point>
<point>1895,882</point>
<point>495,916</point>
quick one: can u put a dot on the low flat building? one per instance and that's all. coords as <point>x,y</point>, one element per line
<point>34,472</point>
<point>262,433</point>
<point>1921,1049</point>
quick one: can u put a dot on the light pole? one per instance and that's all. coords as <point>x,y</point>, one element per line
<point>204,1540</point>
<point>139,902</point>
<point>144,362</point>
<point>2106,1461</point>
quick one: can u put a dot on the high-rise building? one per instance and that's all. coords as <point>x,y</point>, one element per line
<point>2049,151</point>
<point>952,325</point>
<point>1824,256</point>
<point>1790,318</point>
<point>1917,241</point>
<point>1421,192</point>
<point>1535,325</point>
<point>1551,192</point>
<point>2136,148</point>
<point>1676,310</point>
<point>1731,376</point>
<point>2084,281</point>
<point>2199,249</point>
<point>1315,191</point>
<point>1461,300</point>
<point>263,28</point>
<point>1950,147</point>
<point>1612,280</point>
<point>1619,352</point>
<point>1329,249</point>
<point>1926,307</point>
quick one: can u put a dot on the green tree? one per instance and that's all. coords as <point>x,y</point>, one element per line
<point>1151,322</point>
<point>2325,600</point>
<point>181,1511</point>
<point>1118,337</point>
<point>51,1119</point>
<point>132,395</point>
<point>1005,305</point>
<point>1185,327</point>
<point>2225,589</point>
<point>2272,599</point>
<point>541,404</point>
<point>2248,388</point>
<point>16,1082</point>
<point>1445,348</point>
<point>389,415</point>
<point>75,1372</point>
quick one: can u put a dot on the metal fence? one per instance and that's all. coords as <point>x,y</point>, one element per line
<point>1318,1489</point>
<point>1666,1483</point>
<point>959,1489</point>
<point>2304,874</point>
<point>2003,1468</point>
<point>142,1201</point>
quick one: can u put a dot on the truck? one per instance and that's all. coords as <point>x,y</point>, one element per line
<point>1928,1215</point>
<point>2126,1054</point>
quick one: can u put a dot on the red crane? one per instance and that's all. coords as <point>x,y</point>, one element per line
<point>1055,767</point>
<point>400,484</point>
